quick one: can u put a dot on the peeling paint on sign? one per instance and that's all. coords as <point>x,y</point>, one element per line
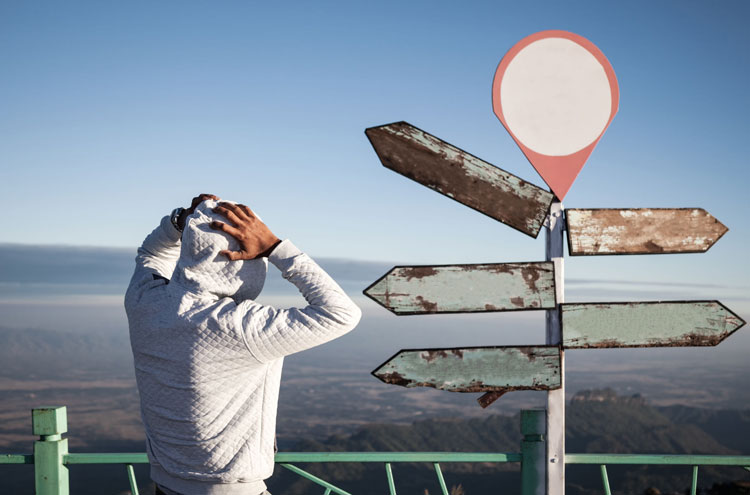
<point>647,324</point>
<point>641,231</point>
<point>461,176</point>
<point>407,290</point>
<point>475,369</point>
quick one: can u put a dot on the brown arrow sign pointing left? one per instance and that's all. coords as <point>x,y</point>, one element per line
<point>461,176</point>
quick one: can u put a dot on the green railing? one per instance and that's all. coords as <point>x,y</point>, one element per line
<point>51,458</point>
<point>286,459</point>
<point>658,459</point>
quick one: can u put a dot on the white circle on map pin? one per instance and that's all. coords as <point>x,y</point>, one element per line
<point>555,93</point>
<point>556,97</point>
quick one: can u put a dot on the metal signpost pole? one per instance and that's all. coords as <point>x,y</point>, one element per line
<point>533,452</point>
<point>556,398</point>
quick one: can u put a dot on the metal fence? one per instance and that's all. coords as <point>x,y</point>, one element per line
<point>51,458</point>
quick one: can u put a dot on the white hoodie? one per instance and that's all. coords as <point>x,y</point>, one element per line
<point>208,358</point>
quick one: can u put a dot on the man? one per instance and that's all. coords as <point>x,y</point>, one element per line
<point>208,357</point>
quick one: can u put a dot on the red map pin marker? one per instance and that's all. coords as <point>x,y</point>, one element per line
<point>555,93</point>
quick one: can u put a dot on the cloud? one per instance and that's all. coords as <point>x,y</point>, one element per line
<point>25,264</point>
<point>63,273</point>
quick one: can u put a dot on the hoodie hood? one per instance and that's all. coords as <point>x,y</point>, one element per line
<point>202,269</point>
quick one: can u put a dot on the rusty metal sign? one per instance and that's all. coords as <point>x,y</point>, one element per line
<point>641,231</point>
<point>409,290</point>
<point>461,176</point>
<point>647,324</point>
<point>475,369</point>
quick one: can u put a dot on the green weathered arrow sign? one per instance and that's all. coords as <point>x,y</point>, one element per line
<point>647,324</point>
<point>641,231</point>
<point>475,369</point>
<point>407,290</point>
<point>459,175</point>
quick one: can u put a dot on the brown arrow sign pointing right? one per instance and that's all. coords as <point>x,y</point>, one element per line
<point>641,231</point>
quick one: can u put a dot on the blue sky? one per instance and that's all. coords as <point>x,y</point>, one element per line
<point>115,113</point>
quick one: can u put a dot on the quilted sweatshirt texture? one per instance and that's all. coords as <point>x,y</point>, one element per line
<point>208,358</point>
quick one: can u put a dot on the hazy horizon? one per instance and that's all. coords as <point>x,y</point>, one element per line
<point>80,290</point>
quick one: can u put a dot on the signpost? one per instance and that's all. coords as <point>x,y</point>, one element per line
<point>474,369</point>
<point>556,94</point>
<point>641,231</point>
<point>455,173</point>
<point>647,324</point>
<point>408,290</point>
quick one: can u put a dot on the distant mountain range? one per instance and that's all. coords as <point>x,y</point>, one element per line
<point>47,269</point>
<point>82,269</point>
<point>597,422</point>
<point>38,353</point>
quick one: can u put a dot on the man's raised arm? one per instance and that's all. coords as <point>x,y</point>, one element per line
<point>272,333</point>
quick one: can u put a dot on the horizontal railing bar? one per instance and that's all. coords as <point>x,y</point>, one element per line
<point>16,459</point>
<point>117,458</point>
<point>656,459</point>
<point>288,457</point>
<point>396,457</point>
<point>302,457</point>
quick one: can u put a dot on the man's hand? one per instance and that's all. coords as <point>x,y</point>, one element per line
<point>189,211</point>
<point>256,240</point>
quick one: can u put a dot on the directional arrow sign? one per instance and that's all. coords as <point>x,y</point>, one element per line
<point>455,173</point>
<point>641,231</point>
<point>408,290</point>
<point>475,369</point>
<point>647,324</point>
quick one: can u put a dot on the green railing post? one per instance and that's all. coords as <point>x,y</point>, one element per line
<point>605,480</point>
<point>533,452</point>
<point>50,474</point>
